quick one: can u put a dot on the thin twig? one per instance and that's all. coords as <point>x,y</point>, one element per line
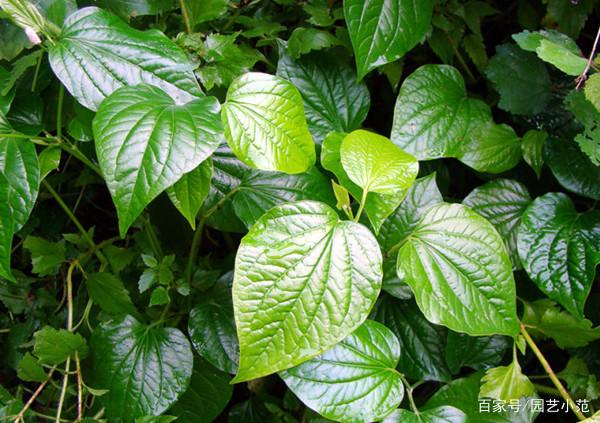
<point>79,388</point>
<point>37,392</point>
<point>581,78</point>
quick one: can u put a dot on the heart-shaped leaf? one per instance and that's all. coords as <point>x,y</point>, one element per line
<point>356,380</point>
<point>145,143</point>
<point>189,192</point>
<point>460,273</point>
<point>506,383</point>
<point>265,124</point>
<point>560,249</point>
<point>304,280</point>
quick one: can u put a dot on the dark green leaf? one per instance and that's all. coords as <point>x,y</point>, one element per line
<point>188,194</point>
<point>54,346</point>
<point>479,353</point>
<point>30,370</point>
<point>133,8</point>
<point>46,256</point>
<point>109,293</point>
<point>205,10</point>
<point>304,40</point>
<point>532,147</point>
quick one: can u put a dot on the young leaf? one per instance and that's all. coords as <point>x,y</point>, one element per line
<point>502,202</point>
<point>532,147</point>
<point>46,256</point>
<point>265,124</point>
<point>383,31</point>
<point>188,194</point>
<point>304,280</point>
<point>144,368</point>
<point>459,270</point>
<point>433,115</point>
<point>160,141</point>
<point>160,296</point>
<point>304,40</point>
<point>444,414</point>
<point>356,380</point>
<point>54,346</point>
<point>375,164</point>
<point>109,293</point>
<point>592,90</point>
<point>506,383</point>
<point>560,248</point>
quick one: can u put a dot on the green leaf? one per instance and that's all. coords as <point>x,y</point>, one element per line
<point>211,326</point>
<point>97,53</point>
<point>108,292</point>
<point>491,148</point>
<point>30,370</point>
<point>160,296</point>
<point>205,10</point>
<point>25,14</point>
<point>433,116</point>
<point>592,90</point>
<point>304,40</point>
<point>521,79</point>
<point>546,320</point>
<point>560,248</point>
<point>46,256</point>
<point>134,8</point>
<point>572,168</point>
<point>189,192</point>
<point>333,99</point>
<point>422,343</point>
<point>589,143</point>
<point>49,160</point>
<point>155,419</point>
<point>265,124</point>
<point>354,381</point>
<point>579,379</point>
<point>7,230</point>
<point>208,394</point>
<point>555,48</point>
<point>502,202</point>
<point>161,141</point>
<point>54,346</point>
<point>383,31</point>
<point>506,383</point>
<point>444,414</point>
<point>460,273</point>
<point>420,197</point>
<point>479,353</point>
<point>532,147</point>
<point>293,306</point>
<point>570,16</point>
<point>375,164</point>
<point>144,368</point>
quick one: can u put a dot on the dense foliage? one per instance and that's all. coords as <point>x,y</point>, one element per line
<point>299,211</point>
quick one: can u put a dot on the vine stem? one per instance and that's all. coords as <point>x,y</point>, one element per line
<point>186,16</point>
<point>79,388</point>
<point>59,112</point>
<point>37,392</point>
<point>363,200</point>
<point>411,400</point>
<point>561,389</point>
<point>581,78</point>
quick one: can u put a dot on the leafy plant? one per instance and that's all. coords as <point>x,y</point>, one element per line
<point>281,211</point>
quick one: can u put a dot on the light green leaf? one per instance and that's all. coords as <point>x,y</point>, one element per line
<point>160,141</point>
<point>506,383</point>
<point>460,273</point>
<point>46,256</point>
<point>592,90</point>
<point>333,99</point>
<point>159,296</point>
<point>304,280</point>
<point>25,14</point>
<point>30,370</point>
<point>98,53</point>
<point>355,381</point>
<point>532,147</point>
<point>304,40</point>
<point>49,160</point>
<point>144,368</point>
<point>375,164</point>
<point>54,346</point>
<point>188,194</point>
<point>109,293</point>
<point>342,197</point>
<point>502,202</point>
<point>265,124</point>
<point>560,248</point>
<point>433,116</point>
<point>133,8</point>
<point>383,31</point>
<point>444,414</point>
<point>579,379</point>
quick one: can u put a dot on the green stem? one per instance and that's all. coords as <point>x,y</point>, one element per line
<point>363,200</point>
<point>36,73</point>
<point>37,392</point>
<point>561,389</point>
<point>461,60</point>
<point>63,391</point>
<point>411,400</point>
<point>75,152</point>
<point>194,249</point>
<point>59,112</point>
<point>186,16</point>
<point>154,243</point>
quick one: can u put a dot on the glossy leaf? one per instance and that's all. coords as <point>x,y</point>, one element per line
<point>189,192</point>
<point>532,147</point>
<point>502,202</point>
<point>422,343</point>
<point>145,144</point>
<point>97,53</point>
<point>304,280</point>
<point>383,31</point>
<point>479,353</point>
<point>265,124</point>
<point>433,116</point>
<point>354,381</point>
<point>333,99</point>
<point>144,368</point>
<point>560,248</point>
<point>375,164</point>
<point>444,414</point>
<point>458,268</point>
<point>506,383</point>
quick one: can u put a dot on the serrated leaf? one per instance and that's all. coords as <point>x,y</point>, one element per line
<point>304,40</point>
<point>479,353</point>
<point>458,268</point>
<point>30,370</point>
<point>560,248</point>
<point>433,116</point>
<point>333,99</point>
<point>54,346</point>
<point>422,343</point>
<point>506,383</point>
<point>145,144</point>
<point>592,90</point>
<point>521,79</point>
<point>46,256</point>
<point>375,164</point>
<point>159,296</point>
<point>444,414</point>
<point>383,31</point>
<point>133,8</point>
<point>110,294</point>
<point>354,381</point>
<point>579,379</point>
<point>570,16</point>
<point>304,280</point>
<point>97,53</point>
<point>144,368</point>
<point>189,192</point>
<point>265,124</point>
<point>502,202</point>
<point>532,147</point>
<point>212,329</point>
